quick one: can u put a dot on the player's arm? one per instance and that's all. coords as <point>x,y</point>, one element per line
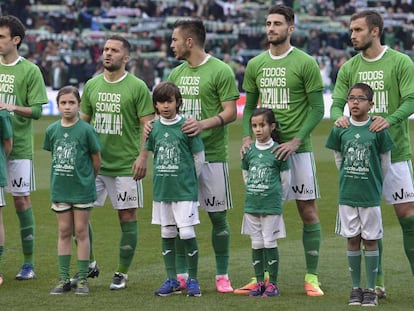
<point>285,178</point>
<point>193,127</point>
<point>96,162</point>
<point>338,159</point>
<point>139,167</point>
<point>250,105</point>
<point>85,117</point>
<point>199,159</point>
<point>33,112</point>
<point>314,116</point>
<point>7,145</point>
<point>385,162</point>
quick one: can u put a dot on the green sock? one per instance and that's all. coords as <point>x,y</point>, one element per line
<point>64,267</point>
<point>127,245</point>
<point>407,225</point>
<point>27,233</point>
<point>180,260</point>
<point>380,273</point>
<point>191,250</point>
<point>83,269</point>
<point>168,254</point>
<point>91,253</point>
<point>354,266</point>
<point>311,242</point>
<point>220,237</point>
<point>371,267</point>
<point>272,263</point>
<point>258,258</point>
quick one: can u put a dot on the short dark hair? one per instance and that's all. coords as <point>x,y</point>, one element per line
<point>368,91</point>
<point>164,91</point>
<point>69,89</point>
<point>125,42</point>
<point>193,28</point>
<point>284,10</point>
<point>16,27</point>
<point>373,19</point>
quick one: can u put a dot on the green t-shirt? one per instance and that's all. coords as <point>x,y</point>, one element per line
<point>175,177</point>
<point>360,174</point>
<point>72,177</point>
<point>22,85</point>
<point>6,132</point>
<point>263,187</point>
<point>284,84</point>
<point>392,79</point>
<point>203,89</point>
<point>115,110</point>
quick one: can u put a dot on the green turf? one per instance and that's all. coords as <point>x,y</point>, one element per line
<point>147,271</point>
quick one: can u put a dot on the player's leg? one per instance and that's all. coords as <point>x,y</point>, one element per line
<point>126,196</point>
<point>21,183</point>
<point>64,216</point>
<point>305,190</point>
<point>2,204</point>
<point>215,198</point>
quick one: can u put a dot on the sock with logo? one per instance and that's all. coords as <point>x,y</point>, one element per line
<point>272,263</point>
<point>380,274</point>
<point>191,250</point>
<point>258,258</point>
<point>168,255</point>
<point>27,232</point>
<point>354,267</point>
<point>311,242</point>
<point>371,267</point>
<point>221,240</point>
<point>407,225</point>
<point>64,267</point>
<point>127,245</point>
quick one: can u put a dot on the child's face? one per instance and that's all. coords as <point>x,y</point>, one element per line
<point>68,106</point>
<point>359,105</point>
<point>261,128</point>
<point>168,108</point>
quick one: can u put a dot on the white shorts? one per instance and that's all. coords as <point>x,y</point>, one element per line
<point>124,192</point>
<point>303,185</point>
<point>398,183</point>
<point>2,198</point>
<point>21,177</point>
<point>352,221</point>
<point>214,192</point>
<point>63,207</point>
<point>180,214</point>
<point>267,228</point>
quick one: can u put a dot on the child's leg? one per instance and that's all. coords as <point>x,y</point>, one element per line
<point>371,262</point>
<point>81,229</point>
<point>188,237</point>
<point>354,260</point>
<point>65,223</point>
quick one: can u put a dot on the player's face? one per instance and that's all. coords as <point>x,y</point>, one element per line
<point>168,108</point>
<point>180,44</point>
<point>68,107</point>
<point>261,128</point>
<point>277,29</point>
<point>114,56</point>
<point>361,36</point>
<point>359,105</point>
<point>7,43</point>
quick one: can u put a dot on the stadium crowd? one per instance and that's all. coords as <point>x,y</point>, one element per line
<point>65,38</point>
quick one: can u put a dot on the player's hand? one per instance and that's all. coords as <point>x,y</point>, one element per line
<point>192,127</point>
<point>148,128</point>
<point>139,168</point>
<point>245,145</point>
<point>378,124</point>
<point>9,108</point>
<point>342,122</point>
<point>283,151</point>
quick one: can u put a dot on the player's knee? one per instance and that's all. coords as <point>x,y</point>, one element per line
<point>270,244</point>
<point>257,244</point>
<point>187,233</point>
<point>219,220</point>
<point>168,232</point>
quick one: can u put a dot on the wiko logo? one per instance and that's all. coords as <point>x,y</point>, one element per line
<point>402,195</point>
<point>302,189</point>
<point>124,197</point>
<point>19,183</point>
<point>213,202</point>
